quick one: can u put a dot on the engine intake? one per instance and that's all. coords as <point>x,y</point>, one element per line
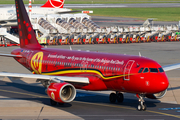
<point>61,92</point>
<point>156,95</point>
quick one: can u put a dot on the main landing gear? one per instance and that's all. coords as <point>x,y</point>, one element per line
<point>116,96</point>
<point>142,105</point>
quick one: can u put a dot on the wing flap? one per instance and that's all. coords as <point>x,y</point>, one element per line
<point>47,77</point>
<point>171,67</point>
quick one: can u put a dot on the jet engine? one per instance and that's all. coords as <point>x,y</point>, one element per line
<point>61,92</point>
<point>156,95</point>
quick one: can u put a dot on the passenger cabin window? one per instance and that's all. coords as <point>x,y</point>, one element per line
<point>140,70</point>
<point>161,70</point>
<point>153,70</point>
<point>146,70</point>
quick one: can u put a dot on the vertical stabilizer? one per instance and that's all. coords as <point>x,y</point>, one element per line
<point>27,36</point>
<point>54,4</point>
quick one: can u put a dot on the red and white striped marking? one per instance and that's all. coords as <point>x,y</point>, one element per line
<point>87,11</point>
<point>30,8</point>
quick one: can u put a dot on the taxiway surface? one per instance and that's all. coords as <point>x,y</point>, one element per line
<point>26,99</point>
<point>121,21</point>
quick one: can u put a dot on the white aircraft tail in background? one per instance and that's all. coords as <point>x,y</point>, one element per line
<point>54,4</point>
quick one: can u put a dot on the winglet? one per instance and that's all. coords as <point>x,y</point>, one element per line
<point>27,36</point>
<point>54,4</point>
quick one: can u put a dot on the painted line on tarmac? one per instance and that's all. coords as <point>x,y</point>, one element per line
<point>160,113</point>
<point>176,108</point>
<point>165,114</point>
<point>23,93</point>
<point>84,95</point>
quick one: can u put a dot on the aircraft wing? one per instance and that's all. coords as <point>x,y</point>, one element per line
<point>171,67</point>
<point>65,12</point>
<point>10,55</point>
<point>57,79</point>
<point>5,21</point>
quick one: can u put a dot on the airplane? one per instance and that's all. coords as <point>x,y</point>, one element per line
<point>61,71</point>
<point>8,14</point>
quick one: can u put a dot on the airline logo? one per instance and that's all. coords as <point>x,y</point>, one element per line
<point>52,95</point>
<point>54,4</point>
<point>57,3</point>
<point>36,62</point>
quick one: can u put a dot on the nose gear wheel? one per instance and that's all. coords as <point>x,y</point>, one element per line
<point>142,105</point>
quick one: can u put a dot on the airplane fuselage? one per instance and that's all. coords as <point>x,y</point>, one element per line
<point>10,12</point>
<point>105,71</point>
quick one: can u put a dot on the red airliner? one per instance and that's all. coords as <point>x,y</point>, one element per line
<point>64,71</point>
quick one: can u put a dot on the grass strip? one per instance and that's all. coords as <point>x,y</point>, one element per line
<point>95,1</point>
<point>162,14</point>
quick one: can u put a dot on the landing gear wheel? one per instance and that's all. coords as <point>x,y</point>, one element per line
<point>53,103</point>
<point>120,97</point>
<point>139,107</point>
<point>142,105</point>
<point>112,98</point>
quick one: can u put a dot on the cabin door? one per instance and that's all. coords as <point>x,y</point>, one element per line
<point>127,69</point>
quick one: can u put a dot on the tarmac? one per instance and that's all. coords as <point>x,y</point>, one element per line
<point>26,99</point>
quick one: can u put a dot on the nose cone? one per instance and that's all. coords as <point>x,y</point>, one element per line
<point>163,83</point>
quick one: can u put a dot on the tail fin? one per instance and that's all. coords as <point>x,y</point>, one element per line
<point>27,36</point>
<point>54,4</point>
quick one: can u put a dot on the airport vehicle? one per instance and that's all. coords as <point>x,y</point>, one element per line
<point>8,14</point>
<point>64,71</point>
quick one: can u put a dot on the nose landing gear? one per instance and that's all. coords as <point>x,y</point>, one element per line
<point>142,105</point>
<point>116,96</point>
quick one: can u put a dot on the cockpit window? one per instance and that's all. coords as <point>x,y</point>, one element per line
<point>161,70</point>
<point>146,70</point>
<point>140,70</point>
<point>154,70</point>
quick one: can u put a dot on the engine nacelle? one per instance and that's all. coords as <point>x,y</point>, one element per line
<point>61,92</point>
<point>156,95</point>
